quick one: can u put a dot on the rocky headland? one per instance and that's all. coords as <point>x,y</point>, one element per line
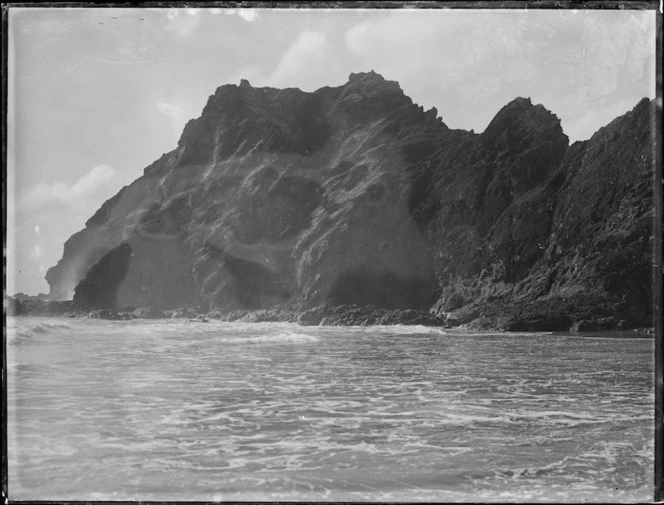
<point>353,205</point>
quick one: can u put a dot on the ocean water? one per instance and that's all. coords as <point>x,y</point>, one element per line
<point>180,410</point>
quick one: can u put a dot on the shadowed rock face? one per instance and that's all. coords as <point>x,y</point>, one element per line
<point>356,196</point>
<point>383,290</point>
<point>100,286</point>
<point>573,244</point>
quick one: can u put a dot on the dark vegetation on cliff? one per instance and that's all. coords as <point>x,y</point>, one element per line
<point>355,197</point>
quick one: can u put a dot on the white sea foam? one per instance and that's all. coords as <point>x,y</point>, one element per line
<point>18,337</point>
<point>348,414</point>
<point>415,329</point>
<point>20,332</point>
<point>283,337</point>
<point>47,326</point>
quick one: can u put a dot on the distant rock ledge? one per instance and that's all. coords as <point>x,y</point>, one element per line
<point>323,315</point>
<point>344,315</point>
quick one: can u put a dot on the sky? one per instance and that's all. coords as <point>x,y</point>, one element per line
<point>96,95</point>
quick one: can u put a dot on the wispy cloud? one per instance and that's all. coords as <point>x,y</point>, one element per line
<point>168,109</point>
<point>46,215</point>
<point>81,195</point>
<point>484,59</point>
<point>304,55</point>
<point>248,14</point>
<point>182,22</point>
<point>400,45</point>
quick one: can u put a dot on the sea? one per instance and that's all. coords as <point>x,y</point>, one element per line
<point>180,410</point>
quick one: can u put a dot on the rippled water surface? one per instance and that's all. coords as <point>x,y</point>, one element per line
<point>179,410</point>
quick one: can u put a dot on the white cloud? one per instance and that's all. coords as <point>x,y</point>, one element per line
<point>449,46</point>
<point>169,110</point>
<point>247,14</point>
<point>470,64</point>
<point>35,253</point>
<point>46,215</point>
<point>182,25</point>
<point>400,33</point>
<point>583,123</point>
<point>356,38</point>
<point>79,195</point>
<point>94,180</point>
<point>304,54</point>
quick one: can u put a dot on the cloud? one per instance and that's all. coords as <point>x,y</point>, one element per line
<point>247,14</point>
<point>169,110</point>
<point>79,195</point>
<point>470,63</point>
<point>301,57</point>
<point>402,45</point>
<point>36,252</point>
<point>46,215</point>
<point>435,56</point>
<point>399,33</point>
<point>182,26</point>
<point>587,120</point>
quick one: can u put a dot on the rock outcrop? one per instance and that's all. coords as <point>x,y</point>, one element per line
<point>353,315</point>
<point>355,196</point>
<point>571,242</point>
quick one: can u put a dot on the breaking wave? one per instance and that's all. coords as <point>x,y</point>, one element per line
<point>21,333</point>
<point>286,337</point>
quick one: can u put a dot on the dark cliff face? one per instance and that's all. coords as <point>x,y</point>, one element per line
<point>355,195</point>
<point>570,241</point>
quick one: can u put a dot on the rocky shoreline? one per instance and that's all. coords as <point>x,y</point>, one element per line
<point>344,315</point>
<point>326,315</point>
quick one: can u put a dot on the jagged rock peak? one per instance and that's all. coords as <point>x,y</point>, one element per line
<point>371,79</point>
<point>353,77</point>
<point>641,111</point>
<point>521,109</point>
<point>520,118</point>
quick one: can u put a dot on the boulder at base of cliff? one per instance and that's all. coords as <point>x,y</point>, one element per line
<point>605,323</point>
<point>42,308</point>
<point>548,322</point>
<point>148,313</point>
<point>260,316</point>
<point>354,315</point>
<point>105,314</point>
<point>181,313</point>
